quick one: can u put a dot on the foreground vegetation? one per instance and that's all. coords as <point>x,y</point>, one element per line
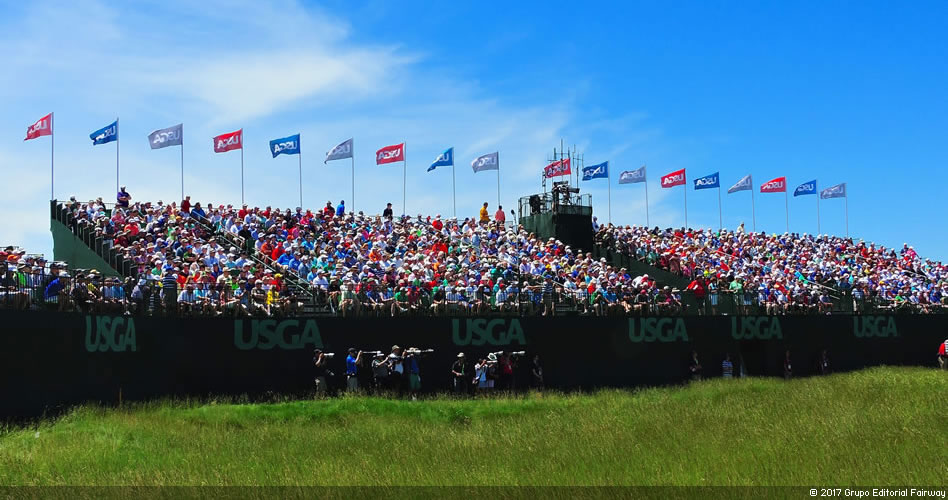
<point>879,426</point>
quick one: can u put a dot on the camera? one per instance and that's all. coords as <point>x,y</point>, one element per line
<point>329,355</point>
<point>372,353</point>
<point>519,353</point>
<point>417,351</point>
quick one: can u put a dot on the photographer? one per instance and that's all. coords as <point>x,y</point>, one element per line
<point>536,372</point>
<point>353,360</point>
<point>380,372</point>
<point>414,371</point>
<point>459,375</point>
<point>320,361</point>
<point>396,369</point>
<point>482,382</point>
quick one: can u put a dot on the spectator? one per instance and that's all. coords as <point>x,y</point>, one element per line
<point>122,198</point>
<point>727,367</point>
<point>484,217</point>
<point>499,216</point>
<point>460,375</point>
<point>341,209</point>
<point>694,367</point>
<point>387,213</point>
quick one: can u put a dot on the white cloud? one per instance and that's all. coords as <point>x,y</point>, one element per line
<point>232,65</point>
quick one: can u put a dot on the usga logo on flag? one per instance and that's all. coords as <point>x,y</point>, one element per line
<point>228,142</point>
<point>673,179</point>
<point>390,154</point>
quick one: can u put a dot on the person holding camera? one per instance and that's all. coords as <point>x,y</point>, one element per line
<point>459,374</point>
<point>536,372</point>
<point>380,372</point>
<point>320,361</point>
<point>396,368</point>
<point>353,360</point>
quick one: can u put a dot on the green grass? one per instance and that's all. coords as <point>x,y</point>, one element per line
<point>880,426</point>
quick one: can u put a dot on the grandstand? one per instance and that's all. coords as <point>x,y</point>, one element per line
<point>226,260</point>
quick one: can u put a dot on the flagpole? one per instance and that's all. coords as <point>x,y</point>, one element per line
<point>753,208</point>
<point>498,180</point>
<point>352,157</point>
<point>52,169</point>
<point>786,203</point>
<point>847,212</point>
<point>300,158</point>
<point>182,162</point>
<point>609,181</point>
<point>720,217</point>
<point>404,178</point>
<point>647,223</point>
<point>454,189</point>
<point>241,167</point>
<point>816,188</point>
<point>116,154</point>
<point>685,186</point>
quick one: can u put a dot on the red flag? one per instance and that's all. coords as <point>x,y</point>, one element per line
<point>42,127</point>
<point>558,167</point>
<point>229,142</point>
<point>778,185</point>
<point>676,178</point>
<point>390,154</point>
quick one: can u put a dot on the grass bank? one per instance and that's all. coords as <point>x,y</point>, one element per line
<point>875,427</point>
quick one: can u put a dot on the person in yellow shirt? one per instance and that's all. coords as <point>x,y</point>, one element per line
<point>484,216</point>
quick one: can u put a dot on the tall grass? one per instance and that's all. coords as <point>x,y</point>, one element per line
<point>879,426</point>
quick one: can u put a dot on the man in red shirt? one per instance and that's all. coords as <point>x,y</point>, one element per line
<point>500,216</point>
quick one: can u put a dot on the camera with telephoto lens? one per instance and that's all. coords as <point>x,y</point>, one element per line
<point>518,354</point>
<point>372,353</point>
<point>327,355</point>
<point>417,352</point>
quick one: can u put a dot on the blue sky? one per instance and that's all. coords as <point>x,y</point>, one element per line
<point>838,91</point>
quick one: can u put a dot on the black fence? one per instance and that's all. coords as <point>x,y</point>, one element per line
<point>51,361</point>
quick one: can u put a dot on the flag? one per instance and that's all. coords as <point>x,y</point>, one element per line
<point>229,142</point>
<point>490,161</point>
<point>600,171</point>
<point>778,185</point>
<point>632,176</point>
<point>676,178</point>
<point>343,150</point>
<point>105,135</point>
<point>805,188</point>
<point>390,154</point>
<point>44,126</point>
<point>837,191</point>
<point>558,167</point>
<point>285,146</point>
<point>162,138</point>
<point>708,181</point>
<point>445,159</point>
<point>745,184</point>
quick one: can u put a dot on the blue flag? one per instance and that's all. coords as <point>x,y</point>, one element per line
<point>105,134</point>
<point>805,188</point>
<point>632,176</point>
<point>600,171</point>
<point>285,146</point>
<point>708,181</point>
<point>445,159</point>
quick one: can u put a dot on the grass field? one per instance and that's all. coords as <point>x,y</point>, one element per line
<point>880,426</point>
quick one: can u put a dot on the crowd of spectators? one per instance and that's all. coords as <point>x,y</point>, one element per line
<point>787,272</point>
<point>194,258</point>
<point>273,261</point>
